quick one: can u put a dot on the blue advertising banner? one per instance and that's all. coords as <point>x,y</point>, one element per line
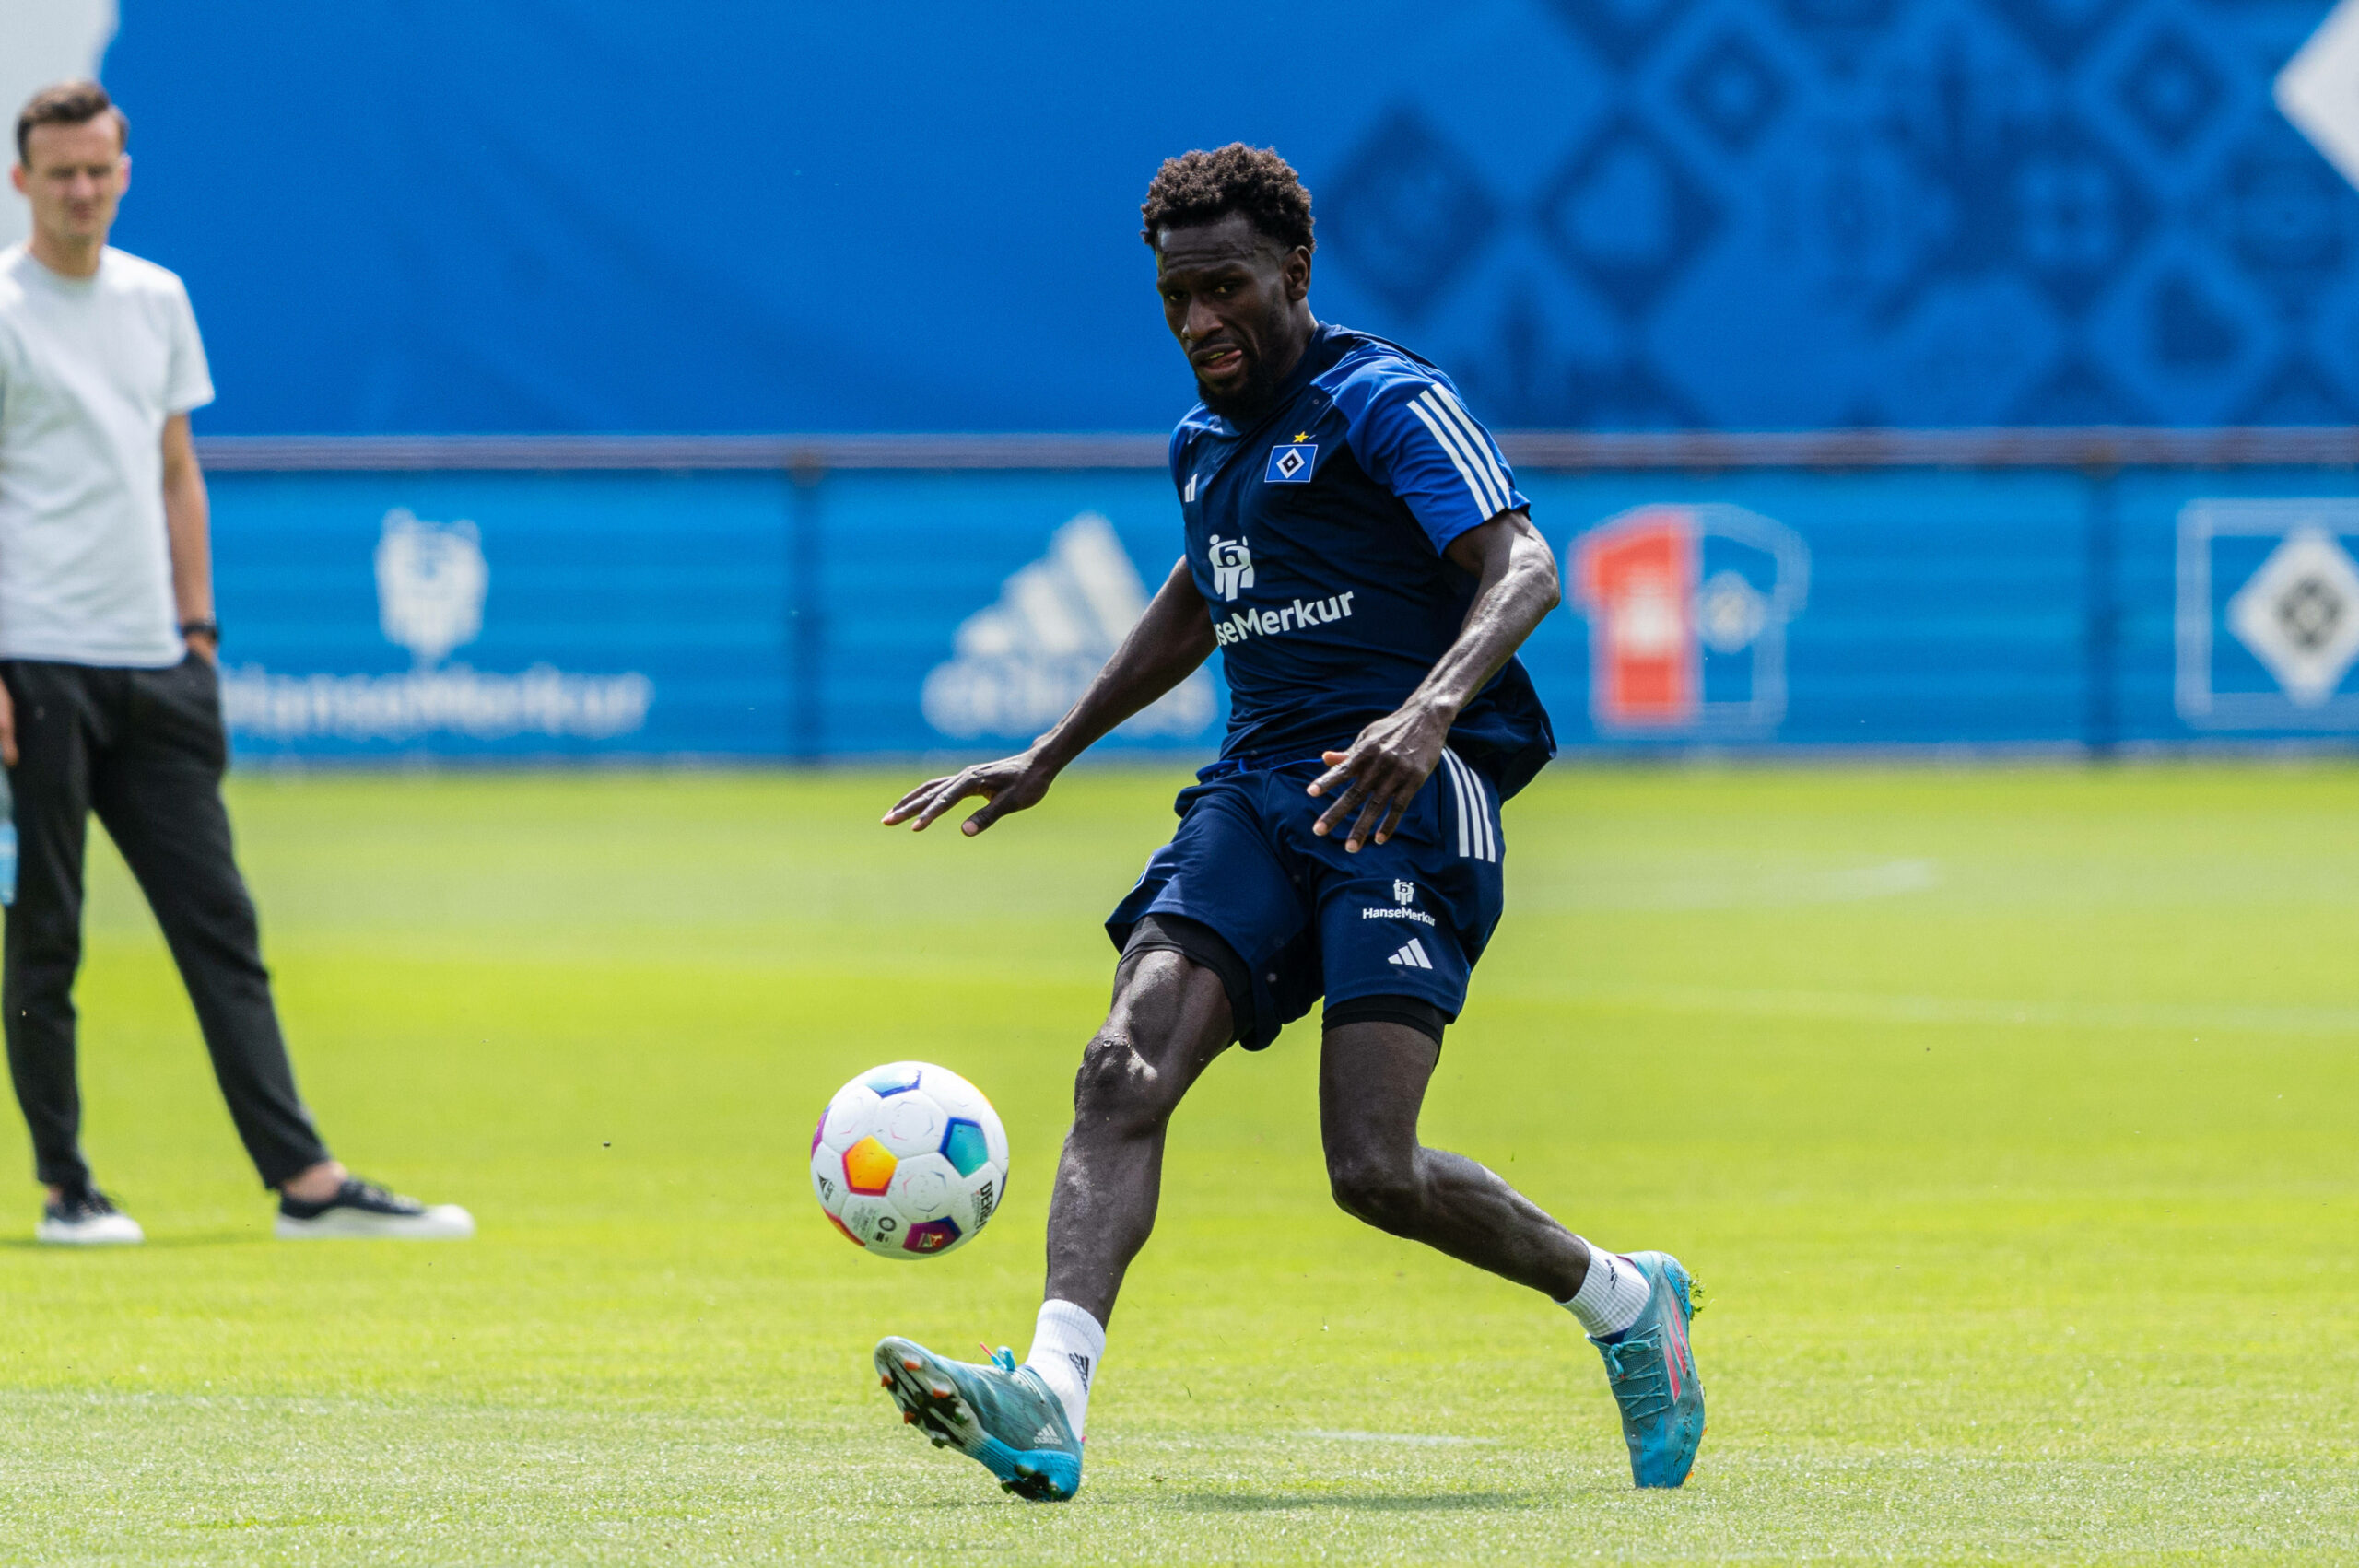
<point>724,216</point>
<point>2240,605</point>
<point>969,611</point>
<point>732,615</point>
<point>1895,608</point>
<point>763,614</point>
<point>541,613</point>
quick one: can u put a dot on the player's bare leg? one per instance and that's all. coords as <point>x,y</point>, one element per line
<point>1024,1424</point>
<point>1372,1080</point>
<point>1170,1018</point>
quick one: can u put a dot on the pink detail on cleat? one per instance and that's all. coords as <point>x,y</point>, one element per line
<point>1677,1351</point>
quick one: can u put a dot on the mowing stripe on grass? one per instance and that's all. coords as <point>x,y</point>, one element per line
<point>1868,1007</point>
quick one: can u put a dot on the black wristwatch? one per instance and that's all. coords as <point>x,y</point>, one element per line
<point>210,628</point>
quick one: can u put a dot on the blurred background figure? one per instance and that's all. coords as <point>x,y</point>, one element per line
<point>43,41</point>
<point>111,702</point>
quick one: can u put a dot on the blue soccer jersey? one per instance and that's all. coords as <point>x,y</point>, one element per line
<point>1316,535</point>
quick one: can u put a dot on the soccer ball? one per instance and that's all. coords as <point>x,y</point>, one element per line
<point>908,1160</point>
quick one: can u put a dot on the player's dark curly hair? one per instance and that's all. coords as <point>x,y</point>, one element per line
<point>1203,187</point>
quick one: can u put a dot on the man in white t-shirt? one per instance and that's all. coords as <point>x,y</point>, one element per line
<point>108,699</point>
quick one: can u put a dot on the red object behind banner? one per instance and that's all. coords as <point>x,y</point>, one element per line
<point>1637,578</point>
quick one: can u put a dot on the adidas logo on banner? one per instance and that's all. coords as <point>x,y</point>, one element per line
<point>1019,664</point>
<point>1412,956</point>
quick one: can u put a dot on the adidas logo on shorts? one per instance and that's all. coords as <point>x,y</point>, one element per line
<point>1412,956</point>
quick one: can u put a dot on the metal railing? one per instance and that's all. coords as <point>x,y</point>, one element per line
<point>2086,448</point>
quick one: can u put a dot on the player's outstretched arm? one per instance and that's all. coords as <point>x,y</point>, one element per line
<point>1393,757</point>
<point>1171,640</point>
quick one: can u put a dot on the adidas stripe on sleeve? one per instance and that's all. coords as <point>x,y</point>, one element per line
<point>1416,438</point>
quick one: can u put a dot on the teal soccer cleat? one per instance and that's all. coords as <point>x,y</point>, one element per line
<point>1653,1372</point>
<point>1000,1415</point>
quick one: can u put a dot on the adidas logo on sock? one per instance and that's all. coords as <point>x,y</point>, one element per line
<point>1412,956</point>
<point>1080,1365</point>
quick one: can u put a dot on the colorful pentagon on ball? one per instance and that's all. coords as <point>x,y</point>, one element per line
<point>966,1146</point>
<point>868,1167</point>
<point>818,1130</point>
<point>933,1236</point>
<point>900,1078</point>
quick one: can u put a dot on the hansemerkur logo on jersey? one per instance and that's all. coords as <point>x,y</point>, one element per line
<point>1232,561</point>
<point>1319,533</point>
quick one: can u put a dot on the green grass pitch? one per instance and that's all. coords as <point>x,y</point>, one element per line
<point>2010,1117</point>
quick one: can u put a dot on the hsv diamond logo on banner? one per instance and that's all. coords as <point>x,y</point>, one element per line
<point>1687,608</point>
<point>2268,614</point>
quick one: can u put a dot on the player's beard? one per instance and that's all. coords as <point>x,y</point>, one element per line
<point>1241,406</point>
<point>1252,397</point>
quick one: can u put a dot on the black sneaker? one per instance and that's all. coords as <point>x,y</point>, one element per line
<point>83,1216</point>
<point>364,1209</point>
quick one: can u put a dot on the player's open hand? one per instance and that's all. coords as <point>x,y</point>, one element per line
<point>1008,785</point>
<point>1381,775</point>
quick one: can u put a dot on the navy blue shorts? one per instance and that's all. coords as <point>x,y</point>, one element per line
<point>1408,916</point>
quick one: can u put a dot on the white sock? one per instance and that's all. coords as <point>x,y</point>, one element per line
<point>1067,1345</point>
<point>1611,1297</point>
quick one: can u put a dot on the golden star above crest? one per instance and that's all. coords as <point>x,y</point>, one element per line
<point>1302,438</point>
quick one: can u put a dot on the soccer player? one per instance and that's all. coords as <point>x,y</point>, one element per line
<point>1357,550</point>
<point>109,699</point>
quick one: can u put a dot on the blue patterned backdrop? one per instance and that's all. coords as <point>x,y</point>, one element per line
<point>1873,212</point>
<point>727,215</point>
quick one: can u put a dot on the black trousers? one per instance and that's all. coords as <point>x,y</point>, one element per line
<point>146,750</point>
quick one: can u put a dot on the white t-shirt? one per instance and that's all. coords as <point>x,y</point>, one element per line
<point>89,371</point>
